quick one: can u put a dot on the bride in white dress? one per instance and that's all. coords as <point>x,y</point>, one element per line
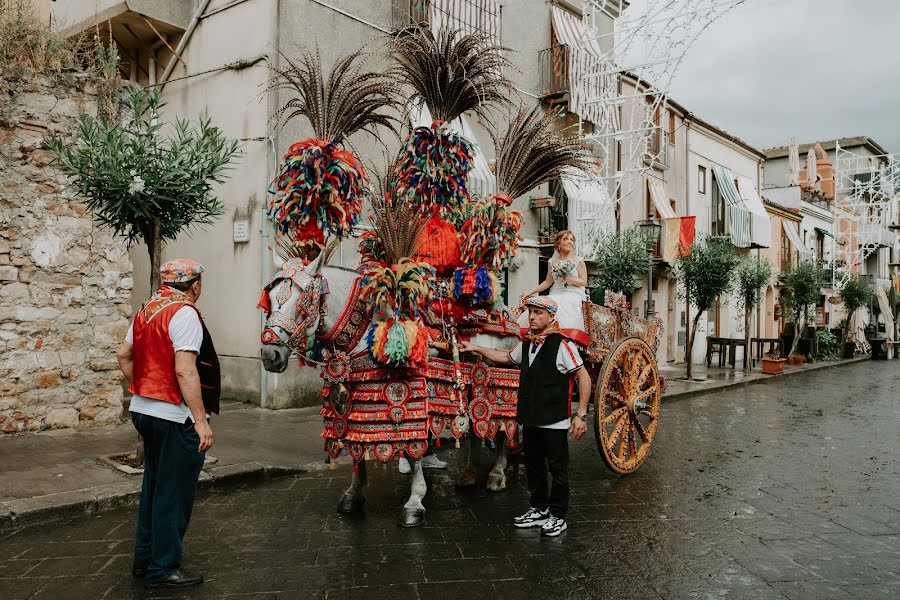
<point>566,278</point>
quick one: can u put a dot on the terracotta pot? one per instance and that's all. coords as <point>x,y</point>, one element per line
<point>773,366</point>
<point>792,360</point>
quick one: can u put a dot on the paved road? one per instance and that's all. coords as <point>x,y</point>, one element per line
<point>784,490</point>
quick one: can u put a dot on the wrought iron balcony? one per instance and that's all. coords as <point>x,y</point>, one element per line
<point>554,64</point>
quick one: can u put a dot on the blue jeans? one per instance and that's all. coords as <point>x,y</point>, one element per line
<point>172,466</point>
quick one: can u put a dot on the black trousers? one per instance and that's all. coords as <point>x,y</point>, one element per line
<point>171,468</point>
<point>548,449</point>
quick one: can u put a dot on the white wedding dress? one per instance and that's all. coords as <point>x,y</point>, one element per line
<point>569,299</point>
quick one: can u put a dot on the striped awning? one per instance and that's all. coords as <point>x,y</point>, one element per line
<point>658,195</point>
<point>790,230</point>
<point>481,180</point>
<point>760,225</point>
<point>588,96</point>
<point>591,210</point>
<point>468,16</point>
<point>738,217</point>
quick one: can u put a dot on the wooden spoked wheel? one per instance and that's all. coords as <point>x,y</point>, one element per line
<point>627,401</point>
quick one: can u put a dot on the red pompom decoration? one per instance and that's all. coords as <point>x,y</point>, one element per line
<point>439,246</point>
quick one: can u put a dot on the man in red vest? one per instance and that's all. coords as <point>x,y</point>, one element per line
<point>159,357</point>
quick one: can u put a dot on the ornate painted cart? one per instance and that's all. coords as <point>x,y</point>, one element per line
<point>372,409</point>
<point>627,386</point>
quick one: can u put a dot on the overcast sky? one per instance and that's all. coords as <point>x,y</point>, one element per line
<point>814,69</point>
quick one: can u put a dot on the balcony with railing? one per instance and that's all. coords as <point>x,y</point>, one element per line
<point>658,152</point>
<point>555,64</point>
<point>468,16</point>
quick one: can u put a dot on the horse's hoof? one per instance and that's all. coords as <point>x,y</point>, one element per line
<point>467,478</point>
<point>412,517</point>
<point>496,482</point>
<point>349,505</point>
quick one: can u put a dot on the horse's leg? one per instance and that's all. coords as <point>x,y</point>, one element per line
<point>496,481</point>
<point>413,513</point>
<point>468,477</point>
<point>352,501</point>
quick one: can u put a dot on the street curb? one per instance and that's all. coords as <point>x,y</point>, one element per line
<point>66,505</point>
<point>736,384</point>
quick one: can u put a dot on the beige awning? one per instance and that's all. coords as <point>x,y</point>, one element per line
<point>660,200</point>
<point>760,227</point>
<point>886,313</point>
<point>791,232</point>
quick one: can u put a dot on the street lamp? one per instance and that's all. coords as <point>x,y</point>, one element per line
<point>651,228</point>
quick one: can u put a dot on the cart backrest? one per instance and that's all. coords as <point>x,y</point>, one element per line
<point>606,326</point>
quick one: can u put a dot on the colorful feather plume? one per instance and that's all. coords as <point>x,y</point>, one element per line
<point>434,163</point>
<point>476,286</point>
<point>531,153</point>
<point>398,342</point>
<point>371,250</point>
<point>439,246</point>
<point>320,185</point>
<point>451,72</point>
<point>491,234</point>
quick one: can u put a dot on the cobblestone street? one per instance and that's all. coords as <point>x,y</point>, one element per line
<point>783,490</point>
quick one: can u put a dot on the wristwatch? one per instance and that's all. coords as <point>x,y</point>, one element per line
<point>582,417</point>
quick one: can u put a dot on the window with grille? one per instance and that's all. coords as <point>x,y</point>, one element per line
<point>468,16</point>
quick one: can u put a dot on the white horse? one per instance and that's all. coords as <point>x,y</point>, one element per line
<point>282,324</point>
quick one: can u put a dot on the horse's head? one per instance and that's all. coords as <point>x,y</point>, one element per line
<point>294,304</point>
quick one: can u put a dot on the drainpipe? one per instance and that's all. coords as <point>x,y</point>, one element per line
<point>184,41</point>
<point>264,265</point>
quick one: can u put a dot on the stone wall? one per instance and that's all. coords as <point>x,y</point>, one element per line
<point>65,286</point>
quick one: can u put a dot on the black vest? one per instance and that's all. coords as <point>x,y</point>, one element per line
<point>544,392</point>
<point>210,375</point>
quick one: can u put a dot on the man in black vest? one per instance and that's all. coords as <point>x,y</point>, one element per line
<point>549,365</point>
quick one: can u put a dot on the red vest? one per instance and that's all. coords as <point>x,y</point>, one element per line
<point>153,354</point>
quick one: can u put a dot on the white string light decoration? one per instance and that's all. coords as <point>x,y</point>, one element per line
<point>647,44</point>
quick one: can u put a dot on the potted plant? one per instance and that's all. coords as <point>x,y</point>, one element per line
<point>545,236</point>
<point>772,363</point>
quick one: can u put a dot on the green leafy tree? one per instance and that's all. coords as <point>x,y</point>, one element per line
<point>142,183</point>
<point>704,275</point>
<point>752,276</point>
<point>855,294</point>
<point>804,285</point>
<point>621,258</point>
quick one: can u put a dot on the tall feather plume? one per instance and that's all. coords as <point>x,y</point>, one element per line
<point>397,224</point>
<point>351,99</point>
<point>530,153</point>
<point>452,72</point>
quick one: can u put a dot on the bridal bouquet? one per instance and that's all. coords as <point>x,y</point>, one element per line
<point>562,269</point>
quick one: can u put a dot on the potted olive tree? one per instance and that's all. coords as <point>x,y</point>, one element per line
<point>704,275</point>
<point>621,259</point>
<point>752,276</point>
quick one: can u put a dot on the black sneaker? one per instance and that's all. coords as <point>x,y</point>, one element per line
<point>553,526</point>
<point>533,518</point>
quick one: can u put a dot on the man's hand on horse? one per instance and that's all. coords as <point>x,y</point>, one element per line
<point>467,347</point>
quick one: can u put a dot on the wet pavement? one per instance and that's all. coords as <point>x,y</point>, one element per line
<point>788,489</point>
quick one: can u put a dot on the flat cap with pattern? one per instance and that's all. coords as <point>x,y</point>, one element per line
<point>544,302</point>
<point>179,270</point>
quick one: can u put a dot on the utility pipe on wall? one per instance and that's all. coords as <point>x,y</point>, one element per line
<point>184,41</point>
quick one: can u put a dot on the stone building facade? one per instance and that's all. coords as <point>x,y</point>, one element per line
<point>65,285</point>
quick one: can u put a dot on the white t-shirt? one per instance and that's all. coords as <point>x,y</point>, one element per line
<point>186,334</point>
<point>568,360</point>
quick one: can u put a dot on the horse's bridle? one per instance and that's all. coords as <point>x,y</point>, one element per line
<point>311,304</point>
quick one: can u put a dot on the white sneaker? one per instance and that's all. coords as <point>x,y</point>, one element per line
<point>433,462</point>
<point>553,526</point>
<point>533,518</point>
<point>404,466</point>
